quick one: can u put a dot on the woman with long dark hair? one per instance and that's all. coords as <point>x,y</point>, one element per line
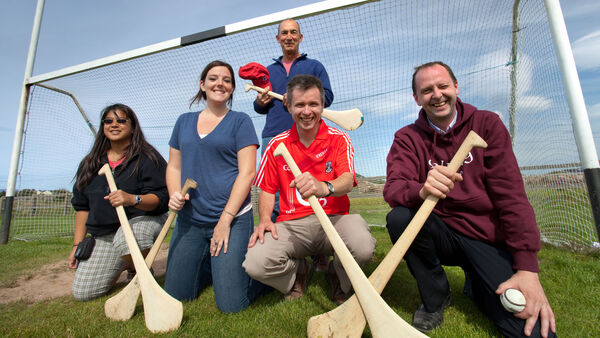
<point>139,172</point>
<point>217,148</point>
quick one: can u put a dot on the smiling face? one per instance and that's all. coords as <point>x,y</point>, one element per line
<point>306,108</point>
<point>436,92</point>
<point>119,129</point>
<point>218,85</point>
<point>289,37</point>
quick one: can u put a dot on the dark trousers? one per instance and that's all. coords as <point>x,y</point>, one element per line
<point>485,267</point>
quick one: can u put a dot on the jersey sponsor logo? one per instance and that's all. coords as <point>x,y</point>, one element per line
<point>328,167</point>
<point>304,202</point>
<point>321,154</point>
<point>286,168</point>
<point>290,200</point>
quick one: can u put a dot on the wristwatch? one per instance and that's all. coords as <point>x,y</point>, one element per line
<point>138,200</point>
<point>330,187</point>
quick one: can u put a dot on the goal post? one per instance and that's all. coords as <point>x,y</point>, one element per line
<point>581,123</point>
<point>14,161</point>
<point>501,52</point>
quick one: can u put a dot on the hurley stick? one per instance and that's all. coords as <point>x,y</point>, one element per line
<point>347,320</point>
<point>347,119</point>
<point>122,305</point>
<point>384,322</point>
<point>162,312</point>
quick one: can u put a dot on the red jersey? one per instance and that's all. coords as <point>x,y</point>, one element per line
<point>330,155</point>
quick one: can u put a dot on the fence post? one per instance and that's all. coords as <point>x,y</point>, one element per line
<point>67,204</point>
<point>33,205</point>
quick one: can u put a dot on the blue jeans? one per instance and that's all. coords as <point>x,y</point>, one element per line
<point>265,142</point>
<point>191,268</point>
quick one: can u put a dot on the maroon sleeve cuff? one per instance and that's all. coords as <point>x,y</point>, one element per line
<point>526,260</point>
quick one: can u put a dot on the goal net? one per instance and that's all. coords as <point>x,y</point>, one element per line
<point>369,51</point>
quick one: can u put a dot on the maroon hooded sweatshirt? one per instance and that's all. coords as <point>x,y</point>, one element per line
<point>490,204</point>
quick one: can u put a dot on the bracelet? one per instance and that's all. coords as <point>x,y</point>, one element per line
<point>75,244</point>
<point>228,213</point>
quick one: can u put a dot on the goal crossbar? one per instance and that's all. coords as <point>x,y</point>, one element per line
<point>261,21</point>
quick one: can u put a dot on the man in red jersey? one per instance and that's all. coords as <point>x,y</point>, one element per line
<point>483,221</point>
<point>277,251</point>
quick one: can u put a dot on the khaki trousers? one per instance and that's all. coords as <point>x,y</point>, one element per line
<point>275,262</point>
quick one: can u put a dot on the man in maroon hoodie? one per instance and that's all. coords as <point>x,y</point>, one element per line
<point>483,221</point>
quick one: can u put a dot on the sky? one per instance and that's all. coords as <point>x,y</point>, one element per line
<point>77,31</point>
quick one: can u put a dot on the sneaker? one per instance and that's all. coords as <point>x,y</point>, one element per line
<point>426,321</point>
<point>337,295</point>
<point>303,276</point>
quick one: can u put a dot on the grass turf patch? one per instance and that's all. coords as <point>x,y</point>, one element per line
<point>570,279</point>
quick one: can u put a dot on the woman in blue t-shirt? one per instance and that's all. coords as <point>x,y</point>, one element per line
<point>217,148</point>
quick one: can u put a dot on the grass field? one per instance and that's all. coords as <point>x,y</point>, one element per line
<point>571,280</point>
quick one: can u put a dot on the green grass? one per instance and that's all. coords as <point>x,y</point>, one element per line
<point>21,258</point>
<point>372,209</point>
<point>571,281</point>
<point>564,216</point>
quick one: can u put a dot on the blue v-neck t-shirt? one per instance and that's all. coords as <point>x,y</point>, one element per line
<point>211,161</point>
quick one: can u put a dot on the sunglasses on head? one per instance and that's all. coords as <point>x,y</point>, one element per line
<point>110,121</point>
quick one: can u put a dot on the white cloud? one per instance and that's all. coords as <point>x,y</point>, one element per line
<point>533,103</point>
<point>594,110</point>
<point>393,104</point>
<point>586,50</point>
<point>575,10</point>
<point>499,84</point>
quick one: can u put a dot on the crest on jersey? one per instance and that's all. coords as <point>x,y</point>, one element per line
<point>328,167</point>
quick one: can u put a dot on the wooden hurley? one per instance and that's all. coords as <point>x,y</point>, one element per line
<point>347,119</point>
<point>162,312</point>
<point>383,321</point>
<point>347,320</point>
<point>122,305</point>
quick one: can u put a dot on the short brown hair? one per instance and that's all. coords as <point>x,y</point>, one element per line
<point>304,83</point>
<point>430,64</point>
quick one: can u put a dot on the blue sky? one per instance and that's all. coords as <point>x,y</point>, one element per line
<point>74,32</point>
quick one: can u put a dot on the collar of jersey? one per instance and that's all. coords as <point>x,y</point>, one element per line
<point>321,134</point>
